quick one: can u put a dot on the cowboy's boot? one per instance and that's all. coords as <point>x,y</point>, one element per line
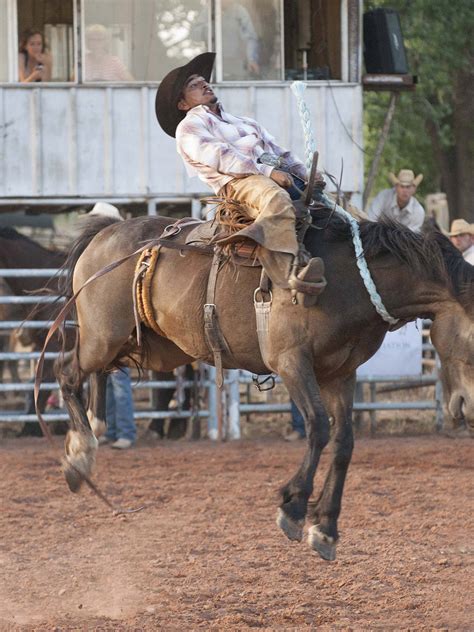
<point>307,282</point>
<point>305,278</point>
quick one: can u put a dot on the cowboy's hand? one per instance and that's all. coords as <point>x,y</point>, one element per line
<point>319,180</point>
<point>282,178</point>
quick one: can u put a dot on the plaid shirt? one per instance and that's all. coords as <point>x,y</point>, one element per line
<point>219,149</point>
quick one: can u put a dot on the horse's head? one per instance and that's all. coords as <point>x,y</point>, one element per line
<point>452,333</point>
<point>435,281</point>
<point>453,336</point>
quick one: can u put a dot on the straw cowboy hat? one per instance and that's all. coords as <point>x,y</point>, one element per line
<point>461,227</point>
<point>406,178</point>
<point>166,103</point>
<point>103,208</point>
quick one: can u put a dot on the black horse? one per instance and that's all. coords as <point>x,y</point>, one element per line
<point>19,251</point>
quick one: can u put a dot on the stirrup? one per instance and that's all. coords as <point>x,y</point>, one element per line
<point>307,283</point>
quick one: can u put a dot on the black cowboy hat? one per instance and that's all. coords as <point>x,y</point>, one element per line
<point>166,103</point>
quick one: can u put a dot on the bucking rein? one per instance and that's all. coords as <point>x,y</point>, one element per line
<point>146,265</point>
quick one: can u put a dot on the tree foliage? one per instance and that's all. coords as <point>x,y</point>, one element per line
<point>433,128</point>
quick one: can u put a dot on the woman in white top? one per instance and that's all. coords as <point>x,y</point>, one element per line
<point>34,61</point>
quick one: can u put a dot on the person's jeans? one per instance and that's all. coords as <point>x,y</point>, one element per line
<point>297,421</point>
<point>119,407</point>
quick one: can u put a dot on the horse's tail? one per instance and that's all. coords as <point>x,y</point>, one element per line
<point>90,228</point>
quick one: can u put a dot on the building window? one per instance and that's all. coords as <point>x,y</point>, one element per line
<point>45,26</point>
<point>249,38</point>
<point>141,40</point>
<point>313,39</point>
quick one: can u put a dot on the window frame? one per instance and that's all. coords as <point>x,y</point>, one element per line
<point>219,49</point>
<point>214,43</point>
<point>14,40</point>
<point>138,82</point>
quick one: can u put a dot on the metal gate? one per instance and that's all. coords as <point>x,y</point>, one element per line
<point>223,409</point>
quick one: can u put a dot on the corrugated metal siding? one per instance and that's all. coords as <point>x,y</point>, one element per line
<point>105,141</point>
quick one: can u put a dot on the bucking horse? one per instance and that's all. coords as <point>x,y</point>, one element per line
<point>316,350</point>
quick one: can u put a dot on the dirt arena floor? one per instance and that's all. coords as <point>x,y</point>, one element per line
<point>205,552</point>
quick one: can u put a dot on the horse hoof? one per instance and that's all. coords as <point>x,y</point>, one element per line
<point>293,530</point>
<point>322,543</point>
<point>79,459</point>
<point>73,477</point>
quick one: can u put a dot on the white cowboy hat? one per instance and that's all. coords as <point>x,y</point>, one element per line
<point>406,178</point>
<point>103,208</point>
<point>461,227</point>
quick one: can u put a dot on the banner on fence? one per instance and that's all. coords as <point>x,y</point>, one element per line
<point>400,354</point>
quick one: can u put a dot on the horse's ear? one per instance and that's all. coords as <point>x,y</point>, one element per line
<point>430,225</point>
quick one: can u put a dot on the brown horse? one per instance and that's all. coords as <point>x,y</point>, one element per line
<point>315,350</point>
<point>7,337</point>
<point>19,251</point>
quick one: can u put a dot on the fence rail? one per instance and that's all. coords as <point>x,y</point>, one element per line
<point>223,409</point>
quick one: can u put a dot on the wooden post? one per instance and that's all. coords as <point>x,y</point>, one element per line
<point>374,167</point>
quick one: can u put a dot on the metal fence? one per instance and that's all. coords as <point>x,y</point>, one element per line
<point>223,410</point>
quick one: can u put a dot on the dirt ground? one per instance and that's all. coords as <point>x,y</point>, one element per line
<point>205,551</point>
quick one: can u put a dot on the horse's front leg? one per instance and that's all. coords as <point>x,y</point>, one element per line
<point>324,513</point>
<point>298,376</point>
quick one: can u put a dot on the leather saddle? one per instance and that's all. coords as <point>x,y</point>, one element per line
<point>199,235</point>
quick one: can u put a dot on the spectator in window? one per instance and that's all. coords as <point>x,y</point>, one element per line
<point>240,45</point>
<point>461,235</point>
<point>100,65</point>
<point>34,61</point>
<point>399,203</point>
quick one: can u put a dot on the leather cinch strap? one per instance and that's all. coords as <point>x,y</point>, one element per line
<point>212,331</point>
<point>262,312</point>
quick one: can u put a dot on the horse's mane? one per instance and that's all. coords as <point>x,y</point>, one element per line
<point>429,255</point>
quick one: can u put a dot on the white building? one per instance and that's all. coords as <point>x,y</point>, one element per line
<point>78,139</point>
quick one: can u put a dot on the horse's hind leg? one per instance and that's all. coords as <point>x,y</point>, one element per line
<point>323,535</point>
<point>298,376</point>
<point>97,402</point>
<point>80,444</point>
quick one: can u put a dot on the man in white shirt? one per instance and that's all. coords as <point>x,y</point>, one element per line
<point>224,151</point>
<point>461,234</point>
<point>399,203</point>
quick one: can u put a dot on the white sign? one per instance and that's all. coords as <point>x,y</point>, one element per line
<point>400,354</point>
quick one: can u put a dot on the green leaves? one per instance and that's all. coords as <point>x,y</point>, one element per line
<point>438,37</point>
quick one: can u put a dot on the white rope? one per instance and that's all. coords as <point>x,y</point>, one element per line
<point>298,88</point>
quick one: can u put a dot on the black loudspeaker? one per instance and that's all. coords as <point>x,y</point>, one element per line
<point>384,52</point>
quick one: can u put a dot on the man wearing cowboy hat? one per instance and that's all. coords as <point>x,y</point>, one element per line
<point>461,234</point>
<point>224,151</point>
<point>398,203</point>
